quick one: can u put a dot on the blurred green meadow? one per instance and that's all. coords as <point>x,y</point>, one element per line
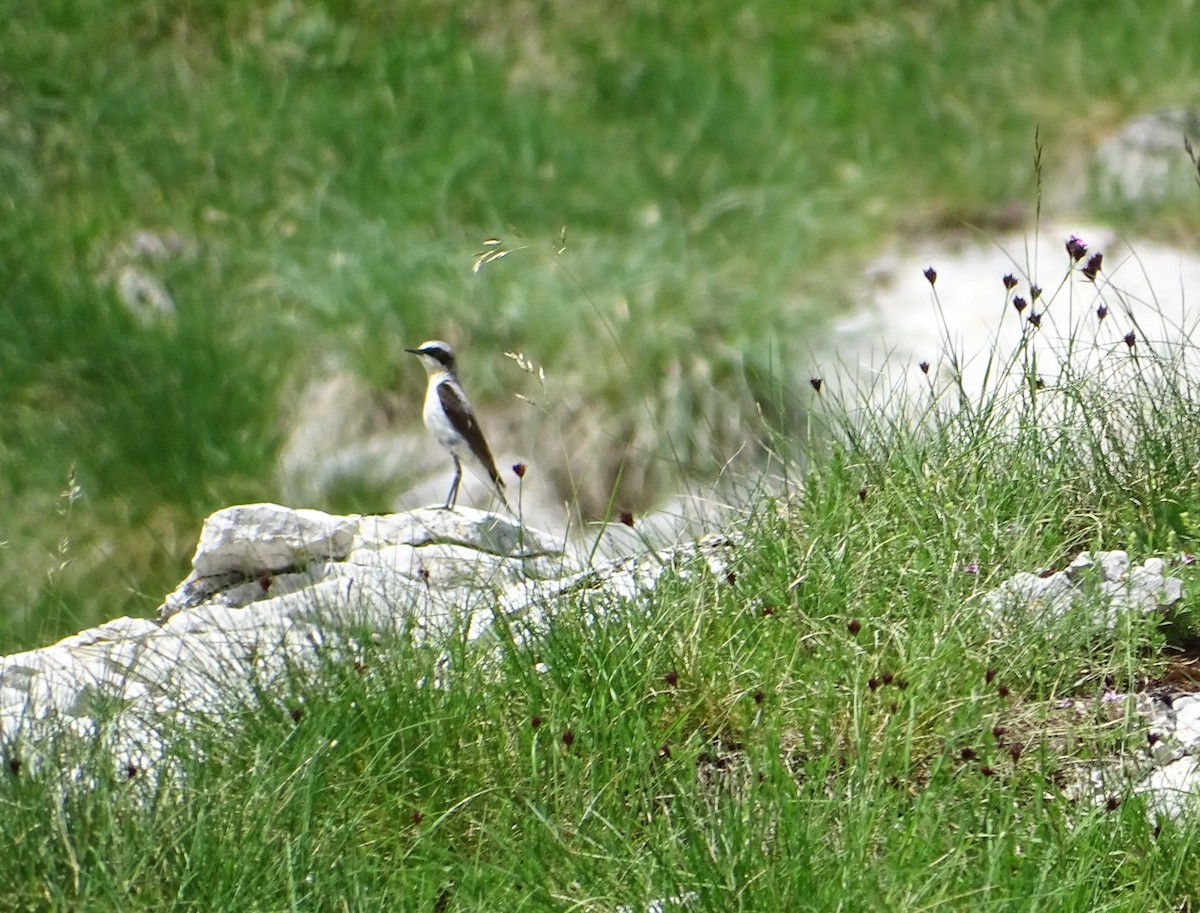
<point>686,194</point>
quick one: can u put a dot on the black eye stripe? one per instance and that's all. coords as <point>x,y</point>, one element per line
<point>439,355</point>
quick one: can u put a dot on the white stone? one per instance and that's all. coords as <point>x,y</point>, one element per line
<point>340,433</point>
<point>499,535</point>
<point>1187,725</point>
<point>1165,750</point>
<point>904,321</point>
<point>247,618</point>
<point>1171,789</point>
<point>1079,564</point>
<point>1026,593</point>
<point>1144,161</point>
<point>1120,591</point>
<point>1114,565</point>
<point>254,538</point>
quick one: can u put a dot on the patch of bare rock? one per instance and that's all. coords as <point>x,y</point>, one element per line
<point>276,592</point>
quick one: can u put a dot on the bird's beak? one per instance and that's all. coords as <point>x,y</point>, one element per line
<point>413,351</point>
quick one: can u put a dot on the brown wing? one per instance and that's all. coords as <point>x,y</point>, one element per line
<point>461,416</point>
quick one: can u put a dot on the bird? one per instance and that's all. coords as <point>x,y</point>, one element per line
<point>451,420</point>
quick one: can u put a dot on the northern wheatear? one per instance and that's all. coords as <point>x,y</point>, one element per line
<point>451,420</point>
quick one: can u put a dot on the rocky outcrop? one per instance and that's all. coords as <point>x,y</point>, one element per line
<point>275,592</point>
<point>1102,586</point>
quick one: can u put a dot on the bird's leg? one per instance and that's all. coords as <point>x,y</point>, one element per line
<point>452,498</point>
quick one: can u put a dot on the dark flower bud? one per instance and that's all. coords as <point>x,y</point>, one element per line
<point>1010,282</point>
<point>931,275</point>
<point>1092,267</point>
<point>1020,303</point>
<point>1076,248</point>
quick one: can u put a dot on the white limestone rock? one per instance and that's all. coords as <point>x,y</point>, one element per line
<point>1104,581</point>
<point>1187,725</point>
<point>966,330</point>
<point>1114,565</point>
<point>254,538</point>
<point>1029,594</point>
<point>493,533</point>
<point>1145,162</point>
<point>1171,790</point>
<point>275,593</point>
<point>254,551</point>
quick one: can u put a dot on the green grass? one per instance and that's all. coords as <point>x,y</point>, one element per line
<point>838,723</point>
<point>723,174</point>
<point>331,169</point>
